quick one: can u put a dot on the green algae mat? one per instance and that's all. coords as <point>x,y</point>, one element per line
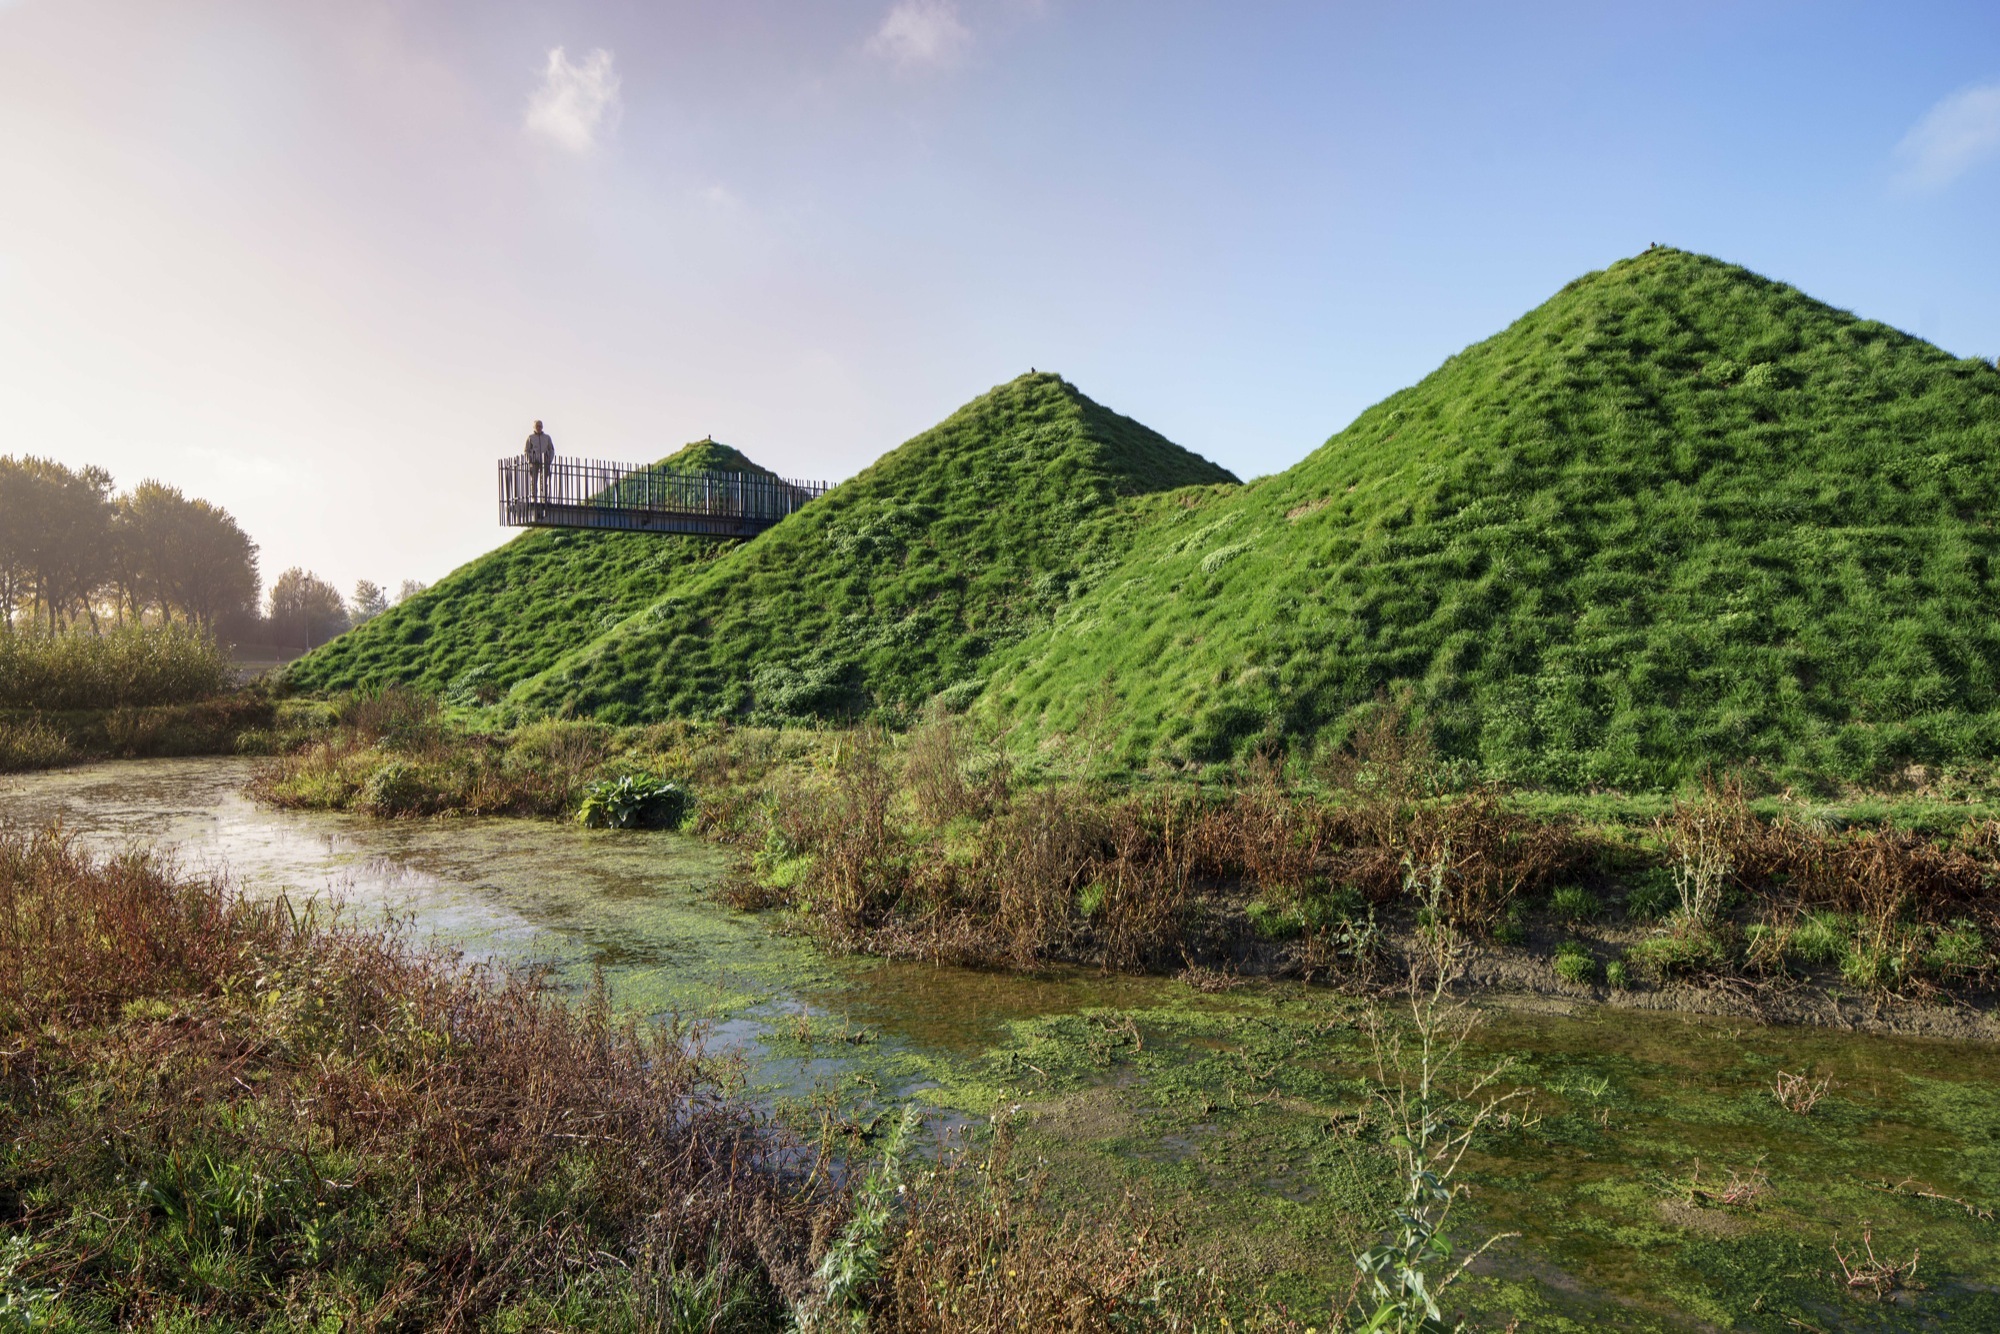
<point>1649,1172</point>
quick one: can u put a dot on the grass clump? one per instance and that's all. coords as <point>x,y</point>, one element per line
<point>130,666</point>
<point>1574,964</point>
<point>1575,904</point>
<point>1652,897</point>
<point>1686,949</point>
<point>1958,950</point>
<point>1821,938</point>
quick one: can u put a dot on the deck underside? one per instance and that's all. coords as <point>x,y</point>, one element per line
<point>551,514</point>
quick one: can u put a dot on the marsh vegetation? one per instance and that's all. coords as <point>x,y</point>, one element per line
<point>933,845</point>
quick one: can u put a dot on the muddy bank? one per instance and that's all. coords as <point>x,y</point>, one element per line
<point>1525,979</point>
<point>1527,987</point>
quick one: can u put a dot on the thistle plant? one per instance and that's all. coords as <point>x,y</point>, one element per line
<point>1432,1124</point>
<point>855,1259</point>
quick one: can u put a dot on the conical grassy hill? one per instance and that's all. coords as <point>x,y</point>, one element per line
<point>514,611</point>
<point>896,585</point>
<point>1679,515</point>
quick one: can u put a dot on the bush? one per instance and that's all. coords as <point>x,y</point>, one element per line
<point>126,667</point>
<point>1618,975</point>
<point>633,801</point>
<point>1285,917</point>
<point>1272,921</point>
<point>1574,964</point>
<point>1878,964</point>
<point>397,788</point>
<point>394,715</point>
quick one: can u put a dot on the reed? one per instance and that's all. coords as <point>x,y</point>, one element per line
<point>130,666</point>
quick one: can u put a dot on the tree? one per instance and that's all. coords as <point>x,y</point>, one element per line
<point>55,529</point>
<point>410,588</point>
<point>182,556</point>
<point>306,609</point>
<point>369,601</point>
<point>220,574</point>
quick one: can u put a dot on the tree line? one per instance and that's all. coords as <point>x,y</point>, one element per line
<point>74,553</point>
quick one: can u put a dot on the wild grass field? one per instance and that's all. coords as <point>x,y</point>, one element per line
<point>130,666</point>
<point>134,690</point>
<point>229,1114</point>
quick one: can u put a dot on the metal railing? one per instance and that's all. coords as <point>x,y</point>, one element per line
<point>592,493</point>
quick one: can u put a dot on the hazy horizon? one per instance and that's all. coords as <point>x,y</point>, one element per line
<point>322,263</point>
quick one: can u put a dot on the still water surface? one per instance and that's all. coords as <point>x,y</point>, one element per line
<point>637,906</point>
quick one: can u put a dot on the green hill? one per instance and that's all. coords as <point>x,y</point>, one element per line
<point>1678,515</point>
<point>894,586</point>
<point>514,611</point>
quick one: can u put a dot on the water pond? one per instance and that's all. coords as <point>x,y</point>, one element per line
<point>1653,1179</point>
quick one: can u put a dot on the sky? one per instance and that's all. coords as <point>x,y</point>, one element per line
<point>323,261</point>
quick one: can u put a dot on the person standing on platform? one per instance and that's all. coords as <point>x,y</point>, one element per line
<point>541,453</point>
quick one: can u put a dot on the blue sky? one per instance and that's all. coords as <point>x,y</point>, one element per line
<point>322,262</point>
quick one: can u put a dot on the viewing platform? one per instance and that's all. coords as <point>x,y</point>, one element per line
<point>641,498</point>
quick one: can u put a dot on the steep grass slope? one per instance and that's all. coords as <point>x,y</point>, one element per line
<point>897,584</point>
<point>1678,515</point>
<point>514,611</point>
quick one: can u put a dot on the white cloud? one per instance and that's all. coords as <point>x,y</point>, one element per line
<point>921,32</point>
<point>576,105</point>
<point>1954,136</point>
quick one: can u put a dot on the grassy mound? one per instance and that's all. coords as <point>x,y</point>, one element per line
<point>897,584</point>
<point>514,611</point>
<point>1679,515</point>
